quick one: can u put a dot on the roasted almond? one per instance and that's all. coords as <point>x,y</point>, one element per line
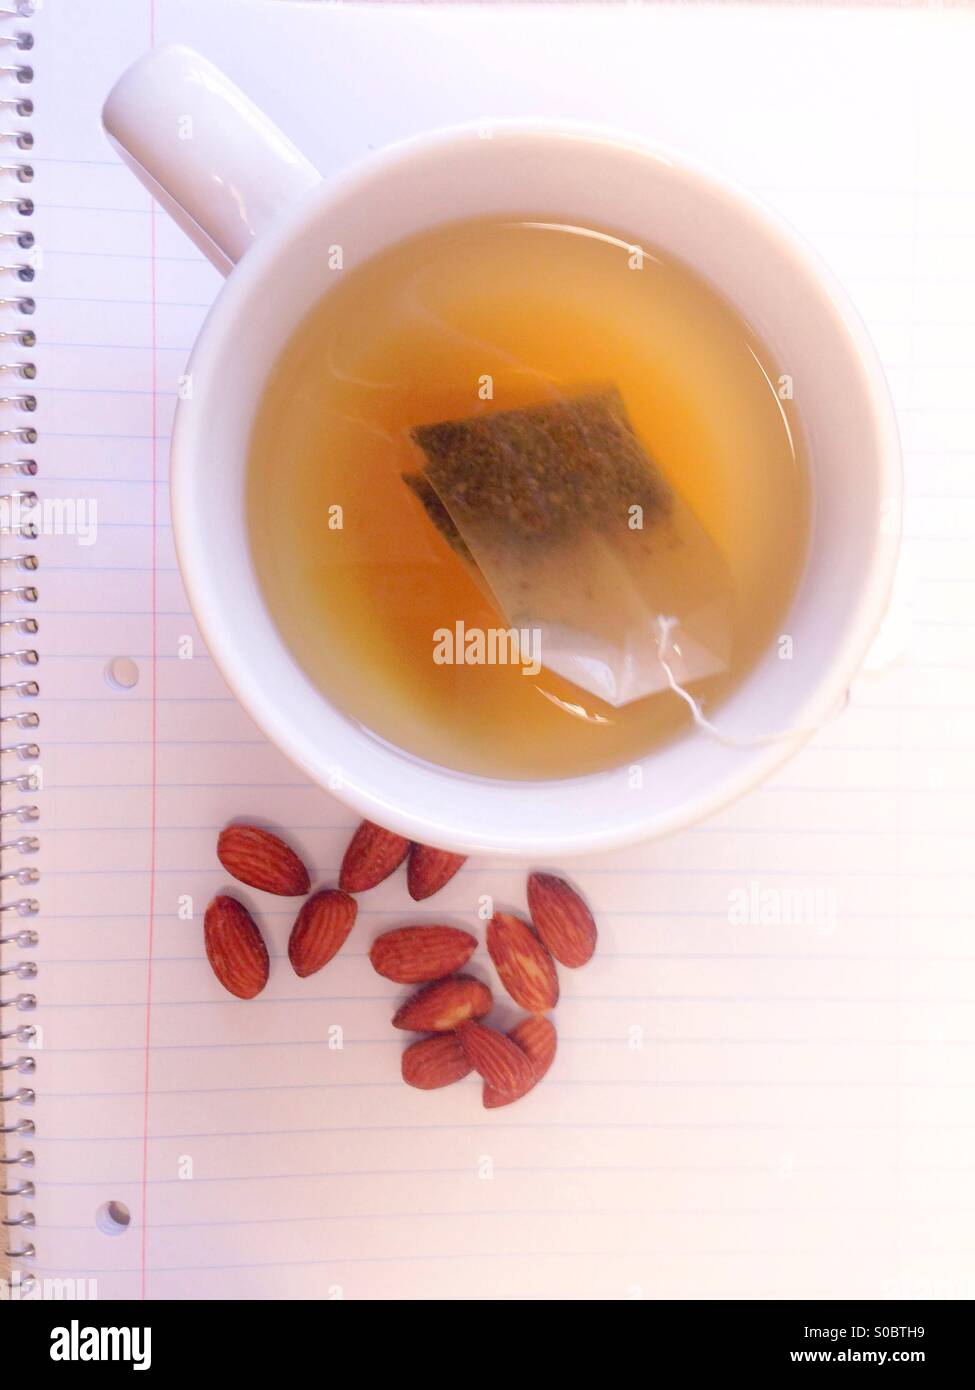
<point>501,1062</point>
<point>538,1040</point>
<point>434,1062</point>
<point>235,948</point>
<point>429,869</point>
<point>256,857</point>
<point>440,1007</point>
<point>410,955</point>
<point>526,969</point>
<point>372,855</point>
<point>320,930</point>
<point>562,919</point>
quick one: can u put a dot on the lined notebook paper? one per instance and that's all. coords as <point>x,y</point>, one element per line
<point>740,1106</point>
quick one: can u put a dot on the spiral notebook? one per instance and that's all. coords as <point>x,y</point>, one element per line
<point>765,1080</point>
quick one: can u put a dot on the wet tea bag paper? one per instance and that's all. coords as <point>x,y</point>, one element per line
<point>581,540</point>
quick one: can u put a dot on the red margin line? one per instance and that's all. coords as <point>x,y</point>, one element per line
<point>153,604</point>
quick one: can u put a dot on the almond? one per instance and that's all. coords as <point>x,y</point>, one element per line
<point>434,1062</point>
<point>320,929</point>
<point>235,948</point>
<point>429,869</point>
<point>440,1007</point>
<point>562,919</point>
<point>501,1062</point>
<point>410,955</point>
<point>372,855</point>
<point>538,1040</point>
<point>259,859</point>
<point>527,970</point>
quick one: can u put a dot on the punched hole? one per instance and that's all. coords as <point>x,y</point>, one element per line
<point>112,1218</point>
<point>122,673</point>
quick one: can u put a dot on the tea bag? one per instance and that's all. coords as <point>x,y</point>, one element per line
<point>578,537</point>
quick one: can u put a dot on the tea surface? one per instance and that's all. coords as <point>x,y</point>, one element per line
<point>484,316</point>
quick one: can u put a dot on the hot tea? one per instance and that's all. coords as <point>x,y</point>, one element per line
<point>375,591</point>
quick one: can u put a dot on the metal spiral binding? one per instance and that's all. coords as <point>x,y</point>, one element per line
<point>17,651</point>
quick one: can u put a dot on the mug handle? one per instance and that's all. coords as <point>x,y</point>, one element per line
<point>218,166</point>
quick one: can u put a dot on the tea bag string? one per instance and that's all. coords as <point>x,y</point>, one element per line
<point>666,626</point>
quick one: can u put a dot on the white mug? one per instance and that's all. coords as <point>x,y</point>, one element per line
<point>266,217</point>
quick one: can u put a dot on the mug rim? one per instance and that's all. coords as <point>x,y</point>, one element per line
<point>744,768</point>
